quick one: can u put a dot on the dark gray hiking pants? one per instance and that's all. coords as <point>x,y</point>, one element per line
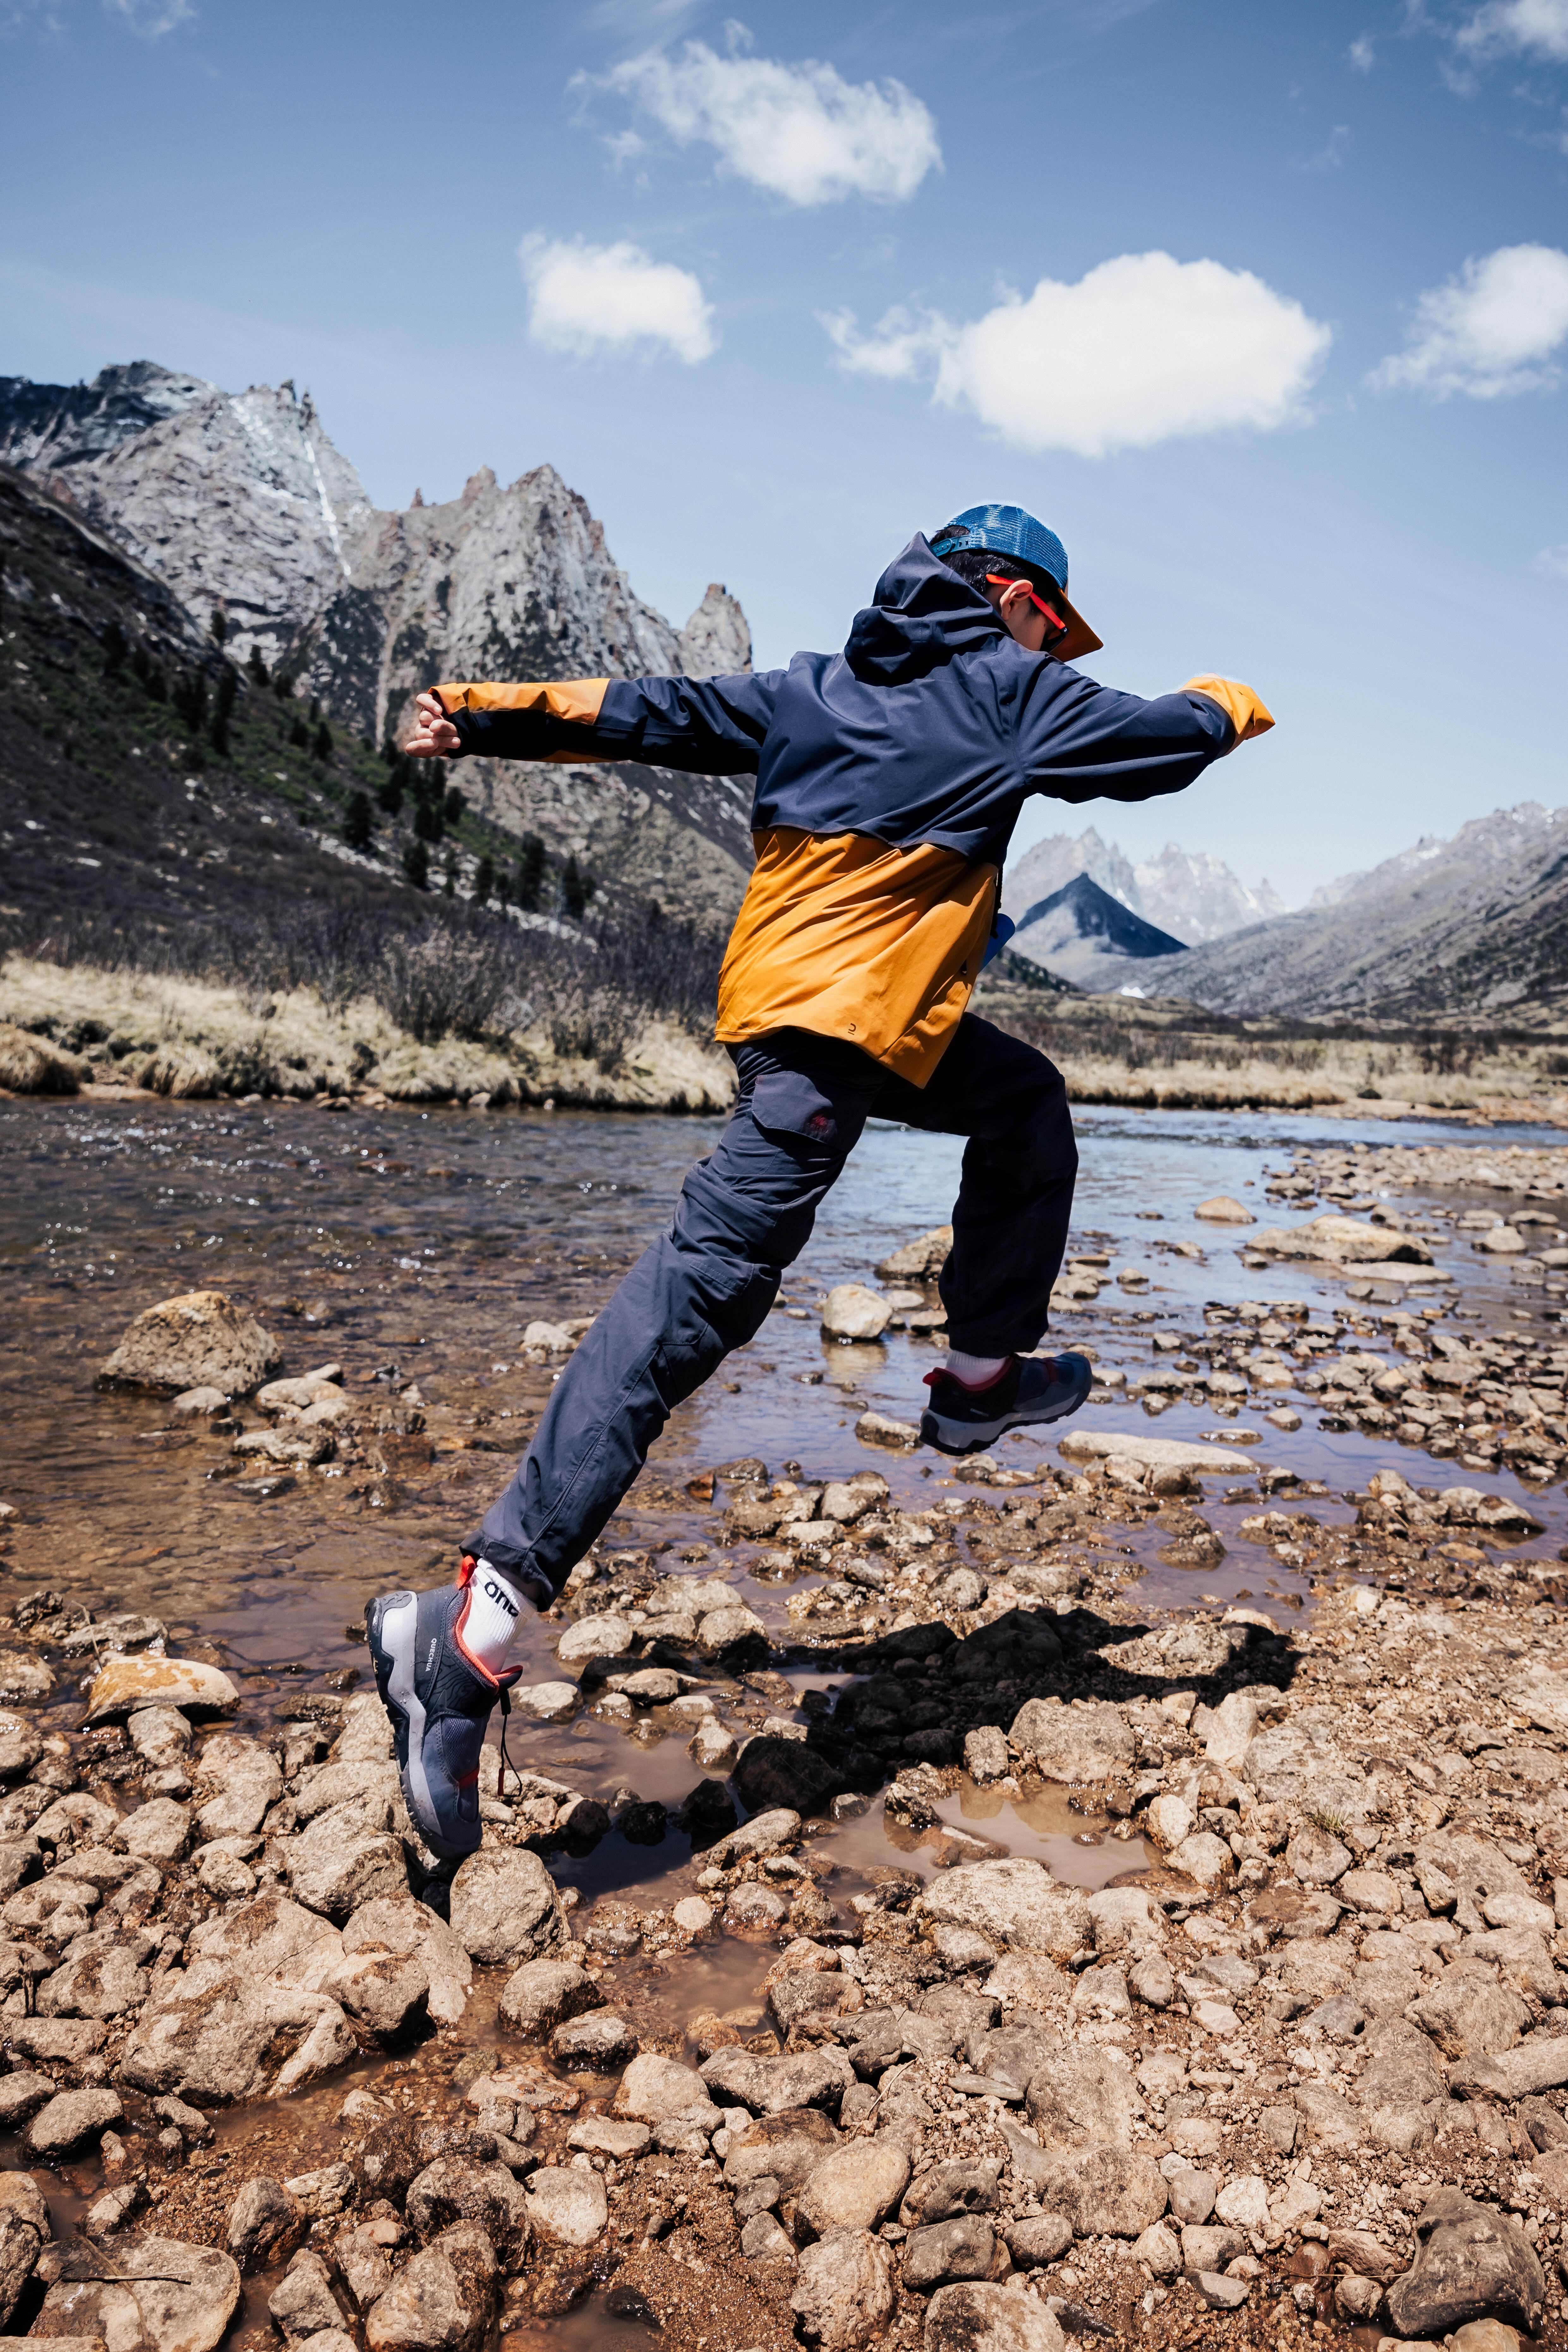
<point>746,1212</point>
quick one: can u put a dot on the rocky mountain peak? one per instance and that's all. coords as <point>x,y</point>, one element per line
<point>716,642</point>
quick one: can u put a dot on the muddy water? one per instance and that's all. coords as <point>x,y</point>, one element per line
<point>418,1245</point>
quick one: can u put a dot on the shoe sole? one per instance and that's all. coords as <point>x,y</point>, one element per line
<point>961,1437</point>
<point>392,1625</point>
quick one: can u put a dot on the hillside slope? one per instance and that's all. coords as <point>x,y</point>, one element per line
<point>1469,927</point>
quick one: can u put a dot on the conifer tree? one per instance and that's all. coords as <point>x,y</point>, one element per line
<point>575,889</point>
<point>484,879</point>
<point>358,828</point>
<point>449,874</point>
<point>531,873</point>
<point>323,746</point>
<point>417,864</point>
<point>219,626</point>
<point>255,667</point>
<point>114,649</point>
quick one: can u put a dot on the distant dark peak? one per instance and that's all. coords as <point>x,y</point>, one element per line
<point>1098,915</point>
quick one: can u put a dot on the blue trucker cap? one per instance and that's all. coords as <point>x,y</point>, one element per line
<point>1015,532</point>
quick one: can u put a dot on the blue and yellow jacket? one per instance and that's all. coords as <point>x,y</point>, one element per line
<point>890,778</point>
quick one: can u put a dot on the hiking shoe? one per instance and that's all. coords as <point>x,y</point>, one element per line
<point>439,1702</point>
<point>961,1419</point>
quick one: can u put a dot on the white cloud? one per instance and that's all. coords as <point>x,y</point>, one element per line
<point>152,18</point>
<point>594,299</point>
<point>801,131</point>
<point>1554,559</point>
<point>1142,350</point>
<point>1525,27</point>
<point>1361,55</point>
<point>1490,331</point>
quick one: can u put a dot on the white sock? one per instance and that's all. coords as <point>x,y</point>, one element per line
<point>487,1626</point>
<point>975,1371</point>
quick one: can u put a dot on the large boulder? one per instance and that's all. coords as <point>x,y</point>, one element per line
<point>246,2018</point>
<point>543,1994</point>
<point>844,2290</point>
<point>398,1924</point>
<point>337,1865</point>
<point>1472,2261</point>
<point>166,2295</point>
<point>1015,1901</point>
<point>504,1907</point>
<point>199,1340</point>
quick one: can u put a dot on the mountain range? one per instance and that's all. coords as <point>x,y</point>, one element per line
<point>1193,896</point>
<point>1082,934</point>
<point>240,504</point>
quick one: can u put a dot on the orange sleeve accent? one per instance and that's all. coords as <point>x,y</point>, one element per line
<point>1247,712</point>
<point>580,699</point>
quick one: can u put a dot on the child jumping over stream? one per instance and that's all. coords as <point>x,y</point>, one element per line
<point>888,780</point>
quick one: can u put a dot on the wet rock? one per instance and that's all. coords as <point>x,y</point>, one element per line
<point>713,1745</point>
<point>304,2302</point>
<point>265,2224</point>
<point>157,1832</point>
<point>451,2190</point>
<point>1104,2190</point>
<point>879,1429</point>
<point>960,2249</point>
<point>975,2317</point>
<point>388,2159</point>
<point>387,1993</point>
<point>24,1678</point>
<point>855,2188</point>
<point>920,1260</point>
<point>727,1628</point>
<point>160,1734</point>
<point>20,1747</point>
<point>546,1701</point>
<point>1014,1902</point>
<point>601,2042</point>
<point>24,2233</point>
<point>397,1923</point>
<point>504,1908</point>
<point>567,2208</point>
<point>756,1910</point>
<point>599,2135</point>
<point>1472,2262</point>
<point>805,2078</point>
<point>784,1774</point>
<point>786,2148</point>
<point>692,1915</point>
<point>128,1686</point>
<point>850,1311</point>
<point>543,1994</point>
<point>71,2120</point>
<point>21,2096</point>
<point>653,2089</point>
<point>985,1756</point>
<point>595,1637</point>
<point>768,1832</point>
<point>844,2291</point>
<point>166,2296</point>
<point>443,2300</point>
<point>200,1340</point>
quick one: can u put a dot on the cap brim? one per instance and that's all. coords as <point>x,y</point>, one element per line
<point>1079,639</point>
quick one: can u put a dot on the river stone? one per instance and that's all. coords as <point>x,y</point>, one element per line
<point>167,2295</point>
<point>21,2096</point>
<point>1344,1241</point>
<point>850,1311</point>
<point>543,1994</point>
<point>855,2188</point>
<point>233,2027</point>
<point>1037,2239</point>
<point>1317,1857</point>
<point>159,1734</point>
<point>1082,2094</point>
<point>102,1979</point>
<point>595,1637</point>
<point>788,2147</point>
<point>247,1778</point>
<point>1015,1901</point>
<point>844,2290</point>
<point>1155,1453</point>
<point>387,1993</point>
<point>127,1685</point>
<point>723,1629</point>
<point>303,2305</point>
<point>25,2230</point>
<point>1223,1211</point>
<point>804,2078</point>
<point>1104,2190</point>
<point>504,1907</point>
<point>453,2189</point>
<point>653,2087</point>
<point>71,2120</point>
<point>444,2300</point>
<point>397,1923</point>
<point>567,2208</point>
<point>976,2316</point>
<point>964,2247</point>
<point>265,2224</point>
<point>1472,2262</point>
<point>20,1747</point>
<point>601,2040</point>
<point>24,1675</point>
<point>198,1340</point>
<point>1074,1743</point>
<point>784,1775</point>
<point>337,1865</point>
<point>158,1832</point>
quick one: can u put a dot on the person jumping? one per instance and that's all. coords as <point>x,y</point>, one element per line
<point>888,780</point>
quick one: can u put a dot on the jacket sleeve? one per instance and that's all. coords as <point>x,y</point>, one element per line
<point>709,726</point>
<point>1081,742</point>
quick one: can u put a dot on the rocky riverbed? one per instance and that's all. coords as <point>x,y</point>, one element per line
<point>1116,1889</point>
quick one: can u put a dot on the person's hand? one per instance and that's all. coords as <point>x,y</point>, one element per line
<point>433,735</point>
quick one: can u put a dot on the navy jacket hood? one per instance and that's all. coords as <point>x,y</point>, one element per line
<point>920,614</point>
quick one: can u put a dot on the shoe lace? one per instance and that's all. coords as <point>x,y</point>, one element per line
<point>506,1763</point>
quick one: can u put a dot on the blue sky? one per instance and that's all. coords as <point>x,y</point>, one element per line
<point>774,293</point>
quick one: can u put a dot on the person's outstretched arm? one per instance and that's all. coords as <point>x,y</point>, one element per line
<point>711,725</point>
<point>1081,741</point>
